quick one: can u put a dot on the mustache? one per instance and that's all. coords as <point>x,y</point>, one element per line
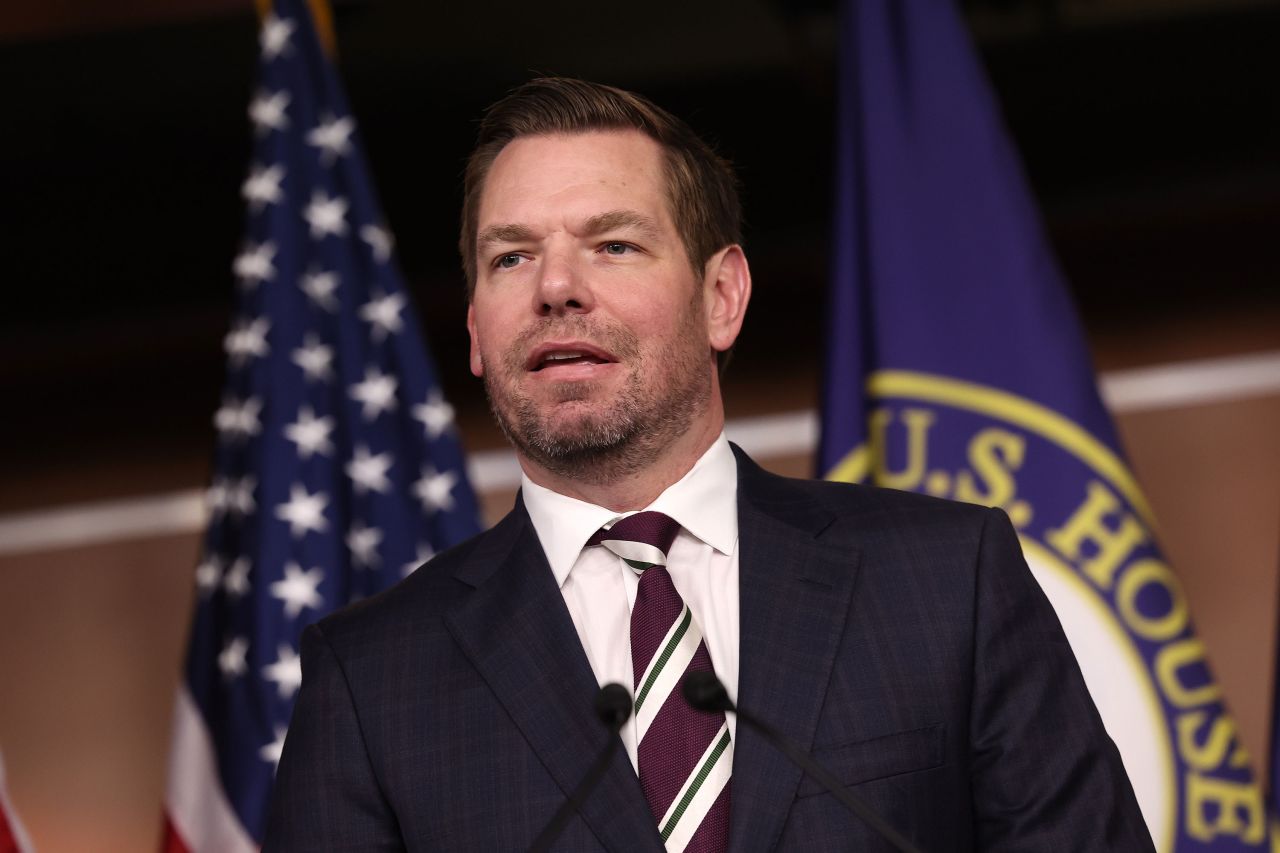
<point>613,337</point>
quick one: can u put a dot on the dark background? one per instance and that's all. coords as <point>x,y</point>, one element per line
<point>1150,133</point>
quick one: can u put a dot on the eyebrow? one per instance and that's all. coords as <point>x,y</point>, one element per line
<point>503,234</point>
<point>601,223</point>
<point>615,220</point>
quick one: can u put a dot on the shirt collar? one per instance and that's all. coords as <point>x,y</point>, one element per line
<point>704,501</point>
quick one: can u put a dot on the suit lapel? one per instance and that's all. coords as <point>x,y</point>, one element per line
<point>517,632</point>
<point>795,595</point>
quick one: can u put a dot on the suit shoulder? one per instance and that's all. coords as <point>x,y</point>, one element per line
<point>906,522</point>
<point>852,503</point>
<point>940,548</point>
<point>857,502</point>
<point>407,607</point>
<point>860,499</point>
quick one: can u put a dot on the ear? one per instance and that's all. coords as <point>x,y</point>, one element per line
<point>477,363</point>
<point>727,290</point>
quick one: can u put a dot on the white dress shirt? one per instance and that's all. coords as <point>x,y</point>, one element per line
<point>600,590</point>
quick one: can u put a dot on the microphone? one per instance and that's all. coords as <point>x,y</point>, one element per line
<point>704,692</point>
<point>613,708</point>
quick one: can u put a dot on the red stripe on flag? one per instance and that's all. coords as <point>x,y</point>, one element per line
<point>13,838</point>
<point>8,844</point>
<point>198,816</point>
<point>171,841</point>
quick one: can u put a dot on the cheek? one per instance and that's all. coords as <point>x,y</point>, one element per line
<point>483,329</point>
<point>499,336</point>
<point>658,314</point>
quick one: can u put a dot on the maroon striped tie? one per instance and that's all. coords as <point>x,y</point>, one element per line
<point>685,756</point>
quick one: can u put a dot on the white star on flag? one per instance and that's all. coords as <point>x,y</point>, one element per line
<point>383,315</point>
<point>377,392</point>
<point>435,414</point>
<point>240,495</point>
<point>231,660</point>
<point>254,265</point>
<point>379,240</point>
<point>273,38</point>
<point>262,187</point>
<point>238,419</point>
<point>304,511</point>
<point>215,497</point>
<point>425,553</point>
<point>209,574</point>
<point>310,433</point>
<point>319,287</point>
<point>247,339</point>
<point>272,751</point>
<point>231,495</point>
<point>333,138</point>
<point>326,215</point>
<point>236,582</point>
<point>369,473</point>
<point>435,489</point>
<point>267,111</point>
<point>286,672</point>
<point>363,543</point>
<point>299,589</point>
<point>314,358</point>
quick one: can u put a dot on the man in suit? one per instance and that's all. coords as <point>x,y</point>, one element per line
<point>899,638</point>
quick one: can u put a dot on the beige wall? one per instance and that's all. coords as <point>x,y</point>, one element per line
<point>91,638</point>
<point>1212,474</point>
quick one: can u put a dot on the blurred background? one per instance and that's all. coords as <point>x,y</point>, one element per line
<point>1150,134</point>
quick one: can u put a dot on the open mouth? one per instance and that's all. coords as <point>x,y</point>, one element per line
<point>555,356</point>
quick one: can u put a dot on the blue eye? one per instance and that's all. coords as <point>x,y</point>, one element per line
<point>616,248</point>
<point>506,262</point>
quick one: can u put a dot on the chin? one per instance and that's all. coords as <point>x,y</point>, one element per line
<point>584,444</point>
<point>585,432</point>
<point>560,394</point>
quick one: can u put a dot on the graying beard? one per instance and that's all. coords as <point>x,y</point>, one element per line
<point>601,453</point>
<point>619,444</point>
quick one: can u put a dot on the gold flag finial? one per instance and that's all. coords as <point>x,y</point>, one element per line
<point>321,16</point>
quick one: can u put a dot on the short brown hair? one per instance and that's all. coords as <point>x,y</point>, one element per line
<point>701,186</point>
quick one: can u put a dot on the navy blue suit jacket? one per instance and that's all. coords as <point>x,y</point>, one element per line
<point>899,638</point>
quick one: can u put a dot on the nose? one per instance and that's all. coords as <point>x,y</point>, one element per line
<point>562,286</point>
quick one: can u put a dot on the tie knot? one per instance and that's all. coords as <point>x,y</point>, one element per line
<point>641,538</point>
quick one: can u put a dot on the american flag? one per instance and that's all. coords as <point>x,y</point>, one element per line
<point>338,468</point>
<point>13,838</point>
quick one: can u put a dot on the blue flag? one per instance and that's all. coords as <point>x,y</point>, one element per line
<point>956,366</point>
<point>338,468</point>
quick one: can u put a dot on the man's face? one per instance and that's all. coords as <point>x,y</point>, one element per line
<point>587,323</point>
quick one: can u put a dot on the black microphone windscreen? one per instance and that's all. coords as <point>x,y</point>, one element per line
<point>704,692</point>
<point>613,705</point>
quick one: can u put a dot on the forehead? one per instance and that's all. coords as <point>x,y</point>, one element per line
<point>574,176</point>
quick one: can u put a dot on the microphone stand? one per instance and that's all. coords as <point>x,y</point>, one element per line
<point>613,708</point>
<point>704,692</point>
